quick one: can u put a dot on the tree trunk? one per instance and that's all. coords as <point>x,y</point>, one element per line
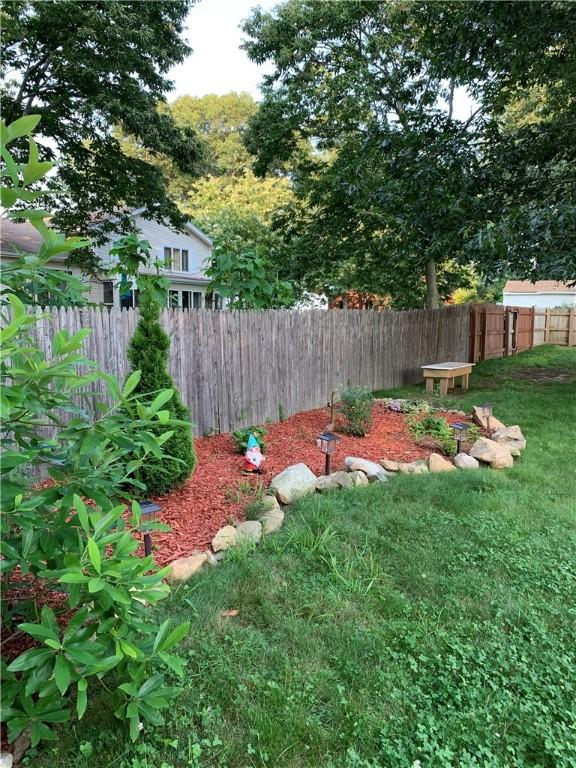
<point>432,301</point>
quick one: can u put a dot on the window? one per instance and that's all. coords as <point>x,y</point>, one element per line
<point>108,293</point>
<point>186,299</point>
<point>217,301</point>
<point>208,300</point>
<point>167,258</point>
<point>176,259</point>
<point>197,300</point>
<point>173,299</point>
<point>130,301</point>
<point>185,263</point>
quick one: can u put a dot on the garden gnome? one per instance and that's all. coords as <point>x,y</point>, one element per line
<point>253,457</point>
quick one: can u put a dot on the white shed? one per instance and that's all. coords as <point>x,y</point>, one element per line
<point>544,294</point>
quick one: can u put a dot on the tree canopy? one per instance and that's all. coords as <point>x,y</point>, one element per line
<point>90,67</point>
<point>400,187</point>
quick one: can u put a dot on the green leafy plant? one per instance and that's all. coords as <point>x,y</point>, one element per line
<point>74,536</point>
<point>241,436</point>
<point>148,352</point>
<point>433,428</point>
<point>355,408</point>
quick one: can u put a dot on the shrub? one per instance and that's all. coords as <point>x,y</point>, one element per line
<point>148,352</point>
<point>433,428</point>
<point>240,437</point>
<point>356,405</point>
<point>400,405</point>
<point>73,536</point>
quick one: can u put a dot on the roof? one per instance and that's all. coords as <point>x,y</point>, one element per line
<point>18,236</point>
<point>540,286</point>
<point>137,211</point>
<point>22,236</point>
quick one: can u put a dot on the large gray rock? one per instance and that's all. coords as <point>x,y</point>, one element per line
<point>272,520</point>
<point>269,503</point>
<point>249,532</point>
<point>437,463</point>
<point>463,461</point>
<point>184,568</point>
<point>419,467</point>
<point>225,538</point>
<point>334,481</point>
<point>498,456</point>
<point>482,421</point>
<point>512,438</point>
<point>373,471</point>
<point>358,478</point>
<point>293,483</point>
<point>6,760</point>
<point>389,465</point>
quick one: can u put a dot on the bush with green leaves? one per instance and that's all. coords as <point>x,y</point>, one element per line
<point>148,353</point>
<point>433,428</point>
<point>77,535</point>
<point>241,436</point>
<point>355,409</point>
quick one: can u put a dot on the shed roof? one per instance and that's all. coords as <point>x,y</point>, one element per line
<point>540,286</point>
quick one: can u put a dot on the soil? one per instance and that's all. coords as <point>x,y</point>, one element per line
<point>218,492</point>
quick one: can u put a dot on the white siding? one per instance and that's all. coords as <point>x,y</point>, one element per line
<point>540,300</point>
<point>160,236</point>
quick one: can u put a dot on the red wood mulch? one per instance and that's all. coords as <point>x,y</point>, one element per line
<point>206,502</point>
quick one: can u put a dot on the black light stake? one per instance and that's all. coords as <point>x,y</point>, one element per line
<point>327,444</point>
<point>148,509</point>
<point>460,428</point>
<point>487,413</point>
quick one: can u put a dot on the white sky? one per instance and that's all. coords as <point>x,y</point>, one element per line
<point>218,65</point>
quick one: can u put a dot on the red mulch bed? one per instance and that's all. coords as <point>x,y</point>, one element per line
<point>196,511</point>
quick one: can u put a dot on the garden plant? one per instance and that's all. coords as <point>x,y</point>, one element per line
<point>355,409</point>
<point>76,599</point>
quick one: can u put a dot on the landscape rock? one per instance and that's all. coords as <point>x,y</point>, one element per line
<point>272,520</point>
<point>334,481</point>
<point>389,465</point>
<point>225,538</point>
<point>269,503</point>
<point>437,463</point>
<point>6,760</point>
<point>512,438</point>
<point>479,418</point>
<point>249,532</point>
<point>373,471</point>
<point>414,467</point>
<point>293,483</point>
<point>358,478</point>
<point>486,450</point>
<point>213,559</point>
<point>184,568</point>
<point>463,461</point>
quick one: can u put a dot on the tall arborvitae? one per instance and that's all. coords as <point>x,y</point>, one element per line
<point>148,352</point>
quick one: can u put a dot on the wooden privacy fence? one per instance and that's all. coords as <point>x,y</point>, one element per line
<point>497,331</point>
<point>240,368</point>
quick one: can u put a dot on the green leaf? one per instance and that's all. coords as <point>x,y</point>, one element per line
<point>160,400</point>
<point>62,674</point>
<point>177,634</point>
<point>131,383</point>
<point>94,554</point>
<point>24,126</point>
<point>81,698</point>
<point>30,659</point>
<point>81,512</point>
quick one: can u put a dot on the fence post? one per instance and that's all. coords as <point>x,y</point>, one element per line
<point>532,326</point>
<point>571,341</point>
<point>507,314</point>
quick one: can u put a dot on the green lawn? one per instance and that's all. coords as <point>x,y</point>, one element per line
<point>431,619</point>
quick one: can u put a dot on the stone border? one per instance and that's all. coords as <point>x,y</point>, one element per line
<point>298,480</point>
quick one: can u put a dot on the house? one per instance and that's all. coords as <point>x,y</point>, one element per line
<point>543,294</point>
<point>182,253</point>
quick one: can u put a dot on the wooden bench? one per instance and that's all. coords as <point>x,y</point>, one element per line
<point>447,373</point>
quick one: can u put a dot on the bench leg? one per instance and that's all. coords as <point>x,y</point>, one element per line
<point>451,383</point>
<point>429,385</point>
<point>465,378</point>
<point>443,387</point>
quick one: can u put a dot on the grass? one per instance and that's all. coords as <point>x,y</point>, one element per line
<point>430,619</point>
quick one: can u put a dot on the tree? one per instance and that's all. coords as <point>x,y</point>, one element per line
<point>90,67</point>
<point>148,354</point>
<point>397,174</point>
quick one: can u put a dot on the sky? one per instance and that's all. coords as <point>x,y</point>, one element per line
<point>217,64</point>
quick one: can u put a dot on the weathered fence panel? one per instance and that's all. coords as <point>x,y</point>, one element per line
<point>497,331</point>
<point>239,368</point>
<point>555,326</point>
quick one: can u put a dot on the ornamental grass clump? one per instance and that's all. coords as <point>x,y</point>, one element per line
<point>355,408</point>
